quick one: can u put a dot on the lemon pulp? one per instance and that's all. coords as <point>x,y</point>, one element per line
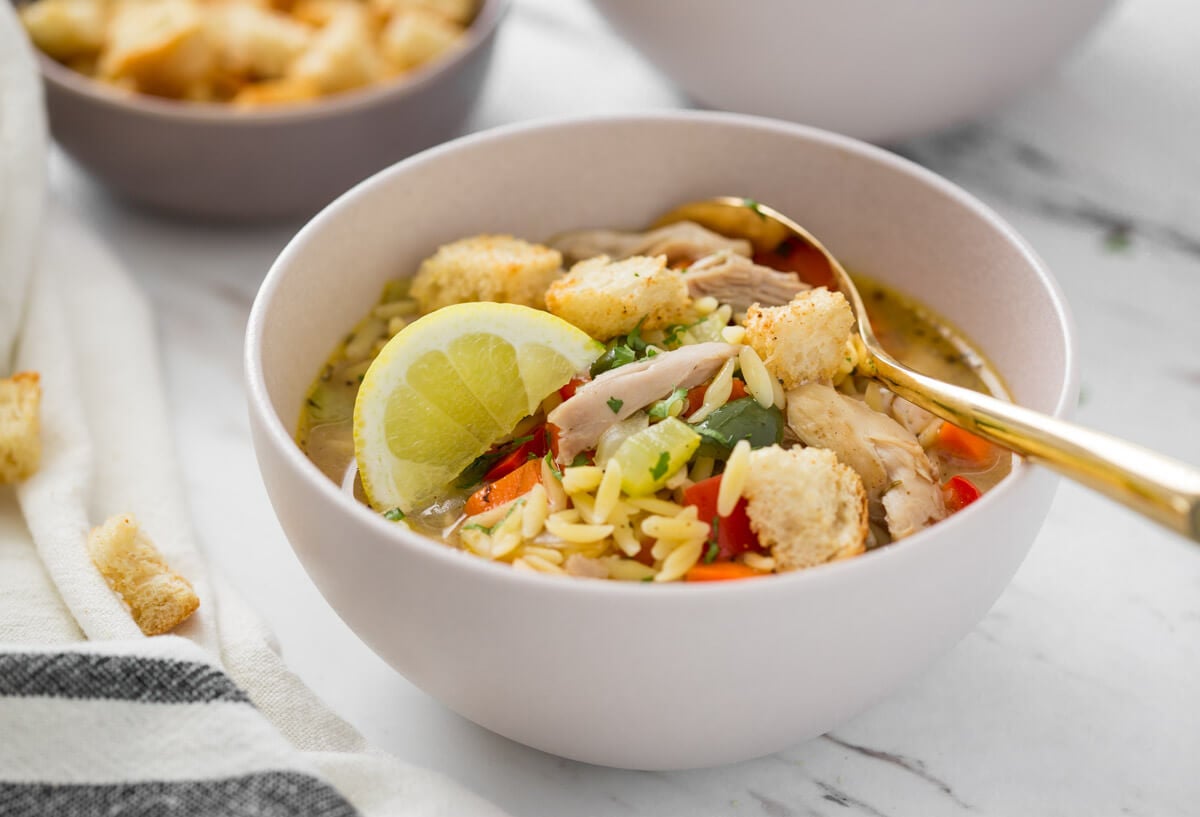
<point>451,384</point>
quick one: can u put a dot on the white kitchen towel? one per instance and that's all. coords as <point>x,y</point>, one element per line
<point>95,718</point>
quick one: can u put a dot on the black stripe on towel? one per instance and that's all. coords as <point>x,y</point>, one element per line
<point>267,794</point>
<point>115,677</point>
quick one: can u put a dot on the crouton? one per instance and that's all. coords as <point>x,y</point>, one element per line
<point>456,11</point>
<point>66,29</point>
<point>486,268</point>
<point>342,55</point>
<point>20,426</point>
<point>609,298</point>
<point>255,41</point>
<point>415,37</point>
<point>158,598</point>
<point>804,340</point>
<point>276,92</point>
<point>805,506</point>
<point>160,47</point>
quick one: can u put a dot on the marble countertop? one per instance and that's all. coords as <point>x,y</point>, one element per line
<point>1075,695</point>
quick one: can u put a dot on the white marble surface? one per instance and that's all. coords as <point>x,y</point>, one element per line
<point>1076,695</point>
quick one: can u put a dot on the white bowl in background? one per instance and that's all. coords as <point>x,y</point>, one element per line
<point>635,675</point>
<point>880,71</point>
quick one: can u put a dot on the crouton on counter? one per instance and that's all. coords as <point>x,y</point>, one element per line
<point>609,298</point>
<point>486,268</point>
<point>20,426</point>
<point>805,506</point>
<point>804,340</point>
<point>159,599</point>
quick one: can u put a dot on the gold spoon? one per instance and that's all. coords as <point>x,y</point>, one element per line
<point>1163,489</point>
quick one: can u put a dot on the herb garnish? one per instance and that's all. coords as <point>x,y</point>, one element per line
<point>754,205</point>
<point>661,410</point>
<point>622,350</point>
<point>474,473</point>
<point>393,515</point>
<point>580,459</point>
<point>489,530</point>
<point>714,546</point>
<point>659,469</point>
<point>615,404</point>
<point>553,468</point>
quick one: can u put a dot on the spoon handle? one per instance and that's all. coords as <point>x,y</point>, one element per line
<point>1159,487</point>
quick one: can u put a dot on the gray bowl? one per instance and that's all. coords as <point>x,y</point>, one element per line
<point>213,161</point>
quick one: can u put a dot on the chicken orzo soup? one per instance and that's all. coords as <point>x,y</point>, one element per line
<point>714,426</point>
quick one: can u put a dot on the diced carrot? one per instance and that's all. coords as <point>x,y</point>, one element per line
<point>959,492</point>
<point>964,444</point>
<point>695,395</point>
<point>505,489</point>
<point>721,571</point>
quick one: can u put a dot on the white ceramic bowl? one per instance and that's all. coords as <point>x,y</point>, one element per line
<point>636,675</point>
<point>875,70</point>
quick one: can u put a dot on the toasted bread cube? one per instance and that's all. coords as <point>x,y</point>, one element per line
<point>804,340</point>
<point>456,11</point>
<point>66,29</point>
<point>609,298</point>
<point>20,426</point>
<point>486,268</point>
<point>158,598</point>
<point>161,46</point>
<point>343,54</point>
<point>805,506</point>
<point>275,92</point>
<point>415,37</point>
<point>257,42</point>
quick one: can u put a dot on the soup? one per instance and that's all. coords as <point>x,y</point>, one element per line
<point>721,432</point>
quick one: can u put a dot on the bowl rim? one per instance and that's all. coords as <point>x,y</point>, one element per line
<point>491,13</point>
<point>278,434</point>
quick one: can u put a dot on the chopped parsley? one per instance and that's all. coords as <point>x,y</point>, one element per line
<point>714,546</point>
<point>615,404</point>
<point>623,350</point>
<point>580,459</point>
<point>553,468</point>
<point>648,579</point>
<point>659,469</point>
<point>489,530</point>
<point>393,515</point>
<point>751,204</point>
<point>662,409</point>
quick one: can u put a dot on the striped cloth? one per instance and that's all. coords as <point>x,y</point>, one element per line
<point>95,718</point>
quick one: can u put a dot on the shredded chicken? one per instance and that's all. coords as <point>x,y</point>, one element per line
<point>901,482</point>
<point>682,243</point>
<point>618,393</point>
<point>736,280</point>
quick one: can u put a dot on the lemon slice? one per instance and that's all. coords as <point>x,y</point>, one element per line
<point>451,384</point>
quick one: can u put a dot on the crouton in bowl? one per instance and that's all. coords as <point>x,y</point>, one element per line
<point>243,111</point>
<point>660,674</point>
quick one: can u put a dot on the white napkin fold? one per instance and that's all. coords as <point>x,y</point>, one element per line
<point>95,717</point>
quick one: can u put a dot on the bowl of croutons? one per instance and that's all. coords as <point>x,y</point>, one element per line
<point>615,484</point>
<point>255,109</point>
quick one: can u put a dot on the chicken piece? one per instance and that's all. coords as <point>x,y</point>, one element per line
<point>159,599</point>
<point>255,41</point>
<point>804,340</point>
<point>162,47</point>
<point>901,482</point>
<point>414,37</point>
<point>682,243</point>
<point>736,280</point>
<point>486,268</point>
<point>914,418</point>
<point>609,298</point>
<point>586,415</point>
<point>343,54</point>
<point>20,426</point>
<point>805,506</point>
<point>66,29</point>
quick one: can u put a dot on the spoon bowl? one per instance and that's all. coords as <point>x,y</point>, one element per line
<point>1155,486</point>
